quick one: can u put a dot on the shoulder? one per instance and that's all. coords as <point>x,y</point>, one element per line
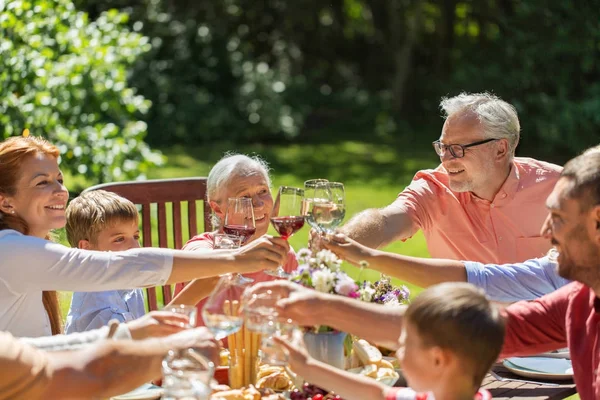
<point>537,171</point>
<point>428,181</point>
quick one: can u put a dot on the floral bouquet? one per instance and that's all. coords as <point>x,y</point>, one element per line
<point>322,272</point>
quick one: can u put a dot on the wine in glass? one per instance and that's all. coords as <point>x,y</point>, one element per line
<point>239,218</point>
<point>328,207</point>
<point>221,312</point>
<point>309,194</point>
<point>287,219</point>
<point>225,241</point>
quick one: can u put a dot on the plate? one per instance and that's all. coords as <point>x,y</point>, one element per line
<point>386,380</point>
<point>144,392</point>
<point>540,367</point>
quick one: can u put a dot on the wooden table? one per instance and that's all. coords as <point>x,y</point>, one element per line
<point>520,390</point>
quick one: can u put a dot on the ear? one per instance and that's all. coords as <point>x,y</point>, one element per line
<point>595,214</point>
<point>502,149</point>
<point>217,209</point>
<point>440,358</point>
<point>5,206</point>
<point>84,244</point>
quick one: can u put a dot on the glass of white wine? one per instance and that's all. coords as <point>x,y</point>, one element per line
<point>221,312</point>
<point>328,207</point>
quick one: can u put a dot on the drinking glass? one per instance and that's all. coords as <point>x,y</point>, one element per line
<point>309,194</point>
<point>239,218</point>
<point>221,312</point>
<point>190,311</point>
<point>328,207</point>
<point>287,218</point>
<point>225,241</point>
<point>186,376</point>
<point>261,316</point>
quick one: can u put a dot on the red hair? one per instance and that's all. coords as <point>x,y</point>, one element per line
<point>13,152</point>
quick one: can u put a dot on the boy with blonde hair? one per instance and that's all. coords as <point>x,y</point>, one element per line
<point>103,221</point>
<point>450,337</point>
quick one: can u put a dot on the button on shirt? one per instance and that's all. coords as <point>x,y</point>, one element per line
<point>462,226</point>
<point>93,310</point>
<point>570,316</point>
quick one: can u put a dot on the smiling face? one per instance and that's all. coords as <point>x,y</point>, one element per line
<point>118,236</point>
<point>574,233</point>
<point>254,186</point>
<point>472,172</point>
<point>40,197</point>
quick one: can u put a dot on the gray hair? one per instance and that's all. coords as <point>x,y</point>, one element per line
<point>499,118</point>
<point>231,165</point>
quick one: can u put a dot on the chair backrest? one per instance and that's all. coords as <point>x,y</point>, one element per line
<point>154,196</point>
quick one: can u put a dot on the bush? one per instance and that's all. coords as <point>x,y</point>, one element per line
<point>65,78</point>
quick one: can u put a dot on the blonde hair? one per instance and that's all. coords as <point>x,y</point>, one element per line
<point>13,153</point>
<point>93,211</point>
<point>460,318</point>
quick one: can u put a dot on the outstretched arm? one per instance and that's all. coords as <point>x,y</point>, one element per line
<point>423,272</point>
<point>376,227</point>
<point>373,322</point>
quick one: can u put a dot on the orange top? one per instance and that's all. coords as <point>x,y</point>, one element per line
<point>462,226</point>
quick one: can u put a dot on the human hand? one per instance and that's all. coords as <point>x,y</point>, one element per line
<point>295,349</point>
<point>157,324</point>
<point>199,339</point>
<point>347,249</point>
<point>292,301</point>
<point>314,240</point>
<point>266,252</point>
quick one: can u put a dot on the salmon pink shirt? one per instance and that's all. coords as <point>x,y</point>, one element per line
<point>205,241</point>
<point>462,226</point>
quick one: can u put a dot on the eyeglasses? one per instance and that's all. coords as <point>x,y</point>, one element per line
<point>457,150</point>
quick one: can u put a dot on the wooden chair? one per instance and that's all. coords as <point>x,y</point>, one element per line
<point>154,195</point>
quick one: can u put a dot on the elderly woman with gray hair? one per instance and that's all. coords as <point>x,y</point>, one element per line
<point>235,175</point>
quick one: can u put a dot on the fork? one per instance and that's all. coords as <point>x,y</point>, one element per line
<point>500,378</point>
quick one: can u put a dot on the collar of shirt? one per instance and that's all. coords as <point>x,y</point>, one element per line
<point>507,191</point>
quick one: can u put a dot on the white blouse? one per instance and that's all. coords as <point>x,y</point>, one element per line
<point>29,265</point>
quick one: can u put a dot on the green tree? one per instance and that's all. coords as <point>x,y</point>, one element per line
<point>65,77</point>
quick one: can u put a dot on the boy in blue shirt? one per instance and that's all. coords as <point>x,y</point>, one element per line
<point>103,221</point>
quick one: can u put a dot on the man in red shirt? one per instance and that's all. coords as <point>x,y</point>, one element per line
<point>571,315</point>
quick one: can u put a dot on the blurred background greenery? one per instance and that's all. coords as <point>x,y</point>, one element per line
<point>109,80</point>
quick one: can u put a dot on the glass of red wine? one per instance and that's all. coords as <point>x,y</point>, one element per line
<point>287,218</point>
<point>239,218</point>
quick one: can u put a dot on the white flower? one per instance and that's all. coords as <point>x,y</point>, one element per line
<point>323,280</point>
<point>366,293</point>
<point>345,285</point>
<point>328,258</point>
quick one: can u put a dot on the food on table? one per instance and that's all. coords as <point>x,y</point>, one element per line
<point>373,364</point>
<point>367,353</point>
<point>273,377</point>
<point>247,393</point>
<point>313,392</point>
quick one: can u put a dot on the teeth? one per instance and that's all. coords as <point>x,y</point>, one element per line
<point>57,207</point>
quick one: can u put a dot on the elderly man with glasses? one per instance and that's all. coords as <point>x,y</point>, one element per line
<point>481,203</point>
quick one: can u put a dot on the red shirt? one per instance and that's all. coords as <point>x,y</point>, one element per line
<point>409,394</point>
<point>570,316</point>
<point>206,241</point>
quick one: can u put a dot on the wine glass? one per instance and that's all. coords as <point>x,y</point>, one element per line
<point>261,315</point>
<point>190,311</point>
<point>239,218</point>
<point>287,219</point>
<point>309,194</point>
<point>221,312</point>
<point>187,375</point>
<point>328,207</point>
<point>225,241</point>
